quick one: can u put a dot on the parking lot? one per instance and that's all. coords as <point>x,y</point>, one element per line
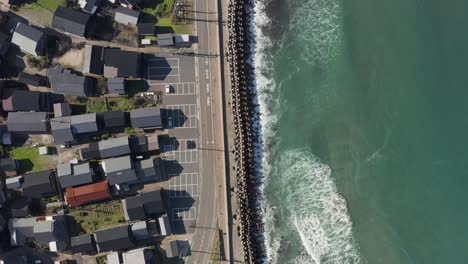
<point>182,116</point>
<point>181,182</point>
<point>181,151</point>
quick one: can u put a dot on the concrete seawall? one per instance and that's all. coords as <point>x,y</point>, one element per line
<point>242,96</point>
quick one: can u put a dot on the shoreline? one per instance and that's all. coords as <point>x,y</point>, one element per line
<point>246,130</point>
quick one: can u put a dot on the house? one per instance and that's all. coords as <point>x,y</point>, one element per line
<point>146,29</point>
<point>147,118</point>
<point>76,196</point>
<point>91,151</point>
<point>33,79</point>
<point>143,206</point>
<point>8,167</point>
<point>84,123</point>
<point>138,144</point>
<point>119,63</point>
<point>82,244</point>
<point>19,207</point>
<point>45,230</point>
<point>126,16</point>
<point>175,248</point>
<point>71,21</point>
<point>118,170</point>
<point>182,40</point>
<point>93,59</point>
<point>89,6</point>
<point>115,238</point>
<point>62,109</point>
<point>6,138</point>
<point>21,100</point>
<point>138,256</point>
<point>3,198</point>
<point>29,39</point>
<point>114,147</point>
<point>28,122</point>
<point>116,85</point>
<point>61,130</point>
<point>13,182</point>
<point>62,81</point>
<point>113,119</point>
<point>113,258</point>
<point>129,3</point>
<point>153,142</point>
<point>4,44</point>
<point>140,231</point>
<point>37,185</point>
<point>164,225</point>
<point>70,175</point>
<point>165,39</point>
<point>145,170</point>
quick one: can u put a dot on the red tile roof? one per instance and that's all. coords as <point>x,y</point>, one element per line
<point>88,193</point>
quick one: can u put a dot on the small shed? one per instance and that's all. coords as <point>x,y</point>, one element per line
<point>13,182</point>
<point>116,85</point>
<point>43,150</point>
<point>62,109</point>
<point>126,16</point>
<point>146,29</point>
<point>165,39</point>
<point>140,230</point>
<point>182,40</point>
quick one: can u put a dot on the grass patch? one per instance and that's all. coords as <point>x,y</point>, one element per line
<point>96,106</point>
<point>50,5</point>
<point>165,22</point>
<point>30,160</point>
<point>158,8</point>
<point>93,217</point>
<point>124,103</point>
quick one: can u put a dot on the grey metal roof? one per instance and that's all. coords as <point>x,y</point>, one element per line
<point>84,123</point>
<point>133,208</point>
<point>114,119</point>
<point>93,59</point>
<point>61,129</point>
<point>114,147</point>
<point>145,171</point>
<point>138,144</point>
<point>113,258</point>
<point>136,256</point>
<point>165,225</point>
<point>32,122</point>
<point>29,39</point>
<point>74,174</point>
<point>165,39</point>
<point>116,85</point>
<point>126,16</point>
<point>71,21</point>
<point>119,170</point>
<point>20,229</point>
<point>149,117</point>
<point>62,81</point>
<point>89,6</point>
<point>37,184</point>
<point>82,243</point>
<point>13,182</point>
<point>114,238</point>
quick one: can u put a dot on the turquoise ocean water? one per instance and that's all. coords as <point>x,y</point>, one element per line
<point>365,121</point>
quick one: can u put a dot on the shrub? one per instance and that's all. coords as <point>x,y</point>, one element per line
<point>39,63</point>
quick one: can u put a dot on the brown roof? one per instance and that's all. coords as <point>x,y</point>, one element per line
<point>87,193</point>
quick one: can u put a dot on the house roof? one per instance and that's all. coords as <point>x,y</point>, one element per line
<point>89,6</point>
<point>32,79</point>
<point>62,81</point>
<point>114,119</point>
<point>114,147</point>
<point>165,225</point>
<point>13,182</point>
<point>7,164</point>
<point>153,203</point>
<point>121,63</point>
<point>138,144</point>
<point>61,129</point>
<point>116,85</point>
<point>22,100</point>
<point>4,43</point>
<point>71,21</point>
<point>126,16</point>
<point>83,243</point>
<point>119,170</point>
<point>62,109</point>
<point>113,258</point>
<point>133,208</point>
<point>93,59</point>
<point>140,230</point>
<point>145,170</point>
<point>171,248</point>
<point>74,174</point>
<point>149,117</point>
<point>115,238</point>
<point>84,123</point>
<point>137,256</point>
<point>146,29</point>
<point>182,38</point>
<point>37,184</point>
<point>28,39</point>
<point>32,122</point>
<point>165,39</point>
<point>76,196</point>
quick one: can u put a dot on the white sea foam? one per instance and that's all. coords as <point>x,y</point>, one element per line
<point>318,214</point>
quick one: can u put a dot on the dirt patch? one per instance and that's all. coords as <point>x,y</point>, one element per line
<point>72,59</point>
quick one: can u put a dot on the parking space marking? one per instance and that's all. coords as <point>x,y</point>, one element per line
<point>184,88</point>
<point>162,68</point>
<point>187,151</point>
<point>183,116</point>
<point>183,214</point>
<point>183,185</point>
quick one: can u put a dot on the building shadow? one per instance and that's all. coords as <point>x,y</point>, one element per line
<point>179,208</point>
<point>157,68</point>
<point>174,118</point>
<point>57,42</point>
